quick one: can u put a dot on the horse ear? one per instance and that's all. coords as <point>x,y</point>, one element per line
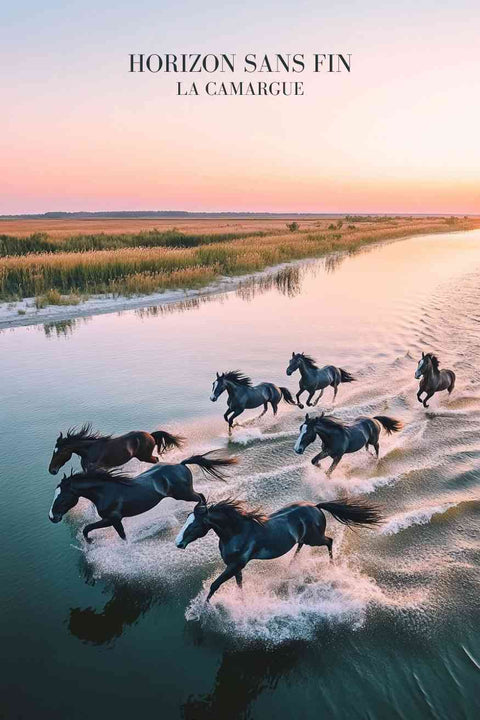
<point>64,477</point>
<point>307,417</point>
<point>423,354</point>
<point>217,375</point>
<point>60,437</point>
<point>293,354</point>
<point>71,472</point>
<point>322,413</point>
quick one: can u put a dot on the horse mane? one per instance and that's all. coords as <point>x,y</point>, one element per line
<point>238,378</point>
<point>308,360</point>
<point>236,510</point>
<point>102,476</point>
<point>329,420</point>
<point>83,435</point>
<point>434,360</point>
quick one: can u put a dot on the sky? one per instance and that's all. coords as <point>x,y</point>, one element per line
<point>399,133</point>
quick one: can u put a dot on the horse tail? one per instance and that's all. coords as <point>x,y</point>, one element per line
<point>353,513</point>
<point>287,396</point>
<point>345,376</point>
<point>389,424</point>
<point>165,441</point>
<point>452,384</point>
<point>210,465</point>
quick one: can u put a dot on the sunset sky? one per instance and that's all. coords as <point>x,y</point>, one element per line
<point>397,134</point>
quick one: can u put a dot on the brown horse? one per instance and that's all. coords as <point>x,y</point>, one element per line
<point>433,379</point>
<point>105,451</point>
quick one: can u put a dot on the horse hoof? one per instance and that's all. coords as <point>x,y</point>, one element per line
<point>87,540</point>
<point>301,406</point>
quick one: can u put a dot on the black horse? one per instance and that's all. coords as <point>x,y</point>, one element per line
<point>433,379</point>
<point>339,438</point>
<point>314,378</point>
<point>251,535</point>
<point>242,395</point>
<point>105,451</point>
<point>117,496</point>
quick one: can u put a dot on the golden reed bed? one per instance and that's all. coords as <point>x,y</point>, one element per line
<point>143,270</point>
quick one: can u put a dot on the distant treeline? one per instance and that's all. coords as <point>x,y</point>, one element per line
<point>180,214</point>
<point>42,242</point>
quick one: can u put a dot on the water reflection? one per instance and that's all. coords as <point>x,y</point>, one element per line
<point>129,602</point>
<point>63,328</point>
<point>241,678</point>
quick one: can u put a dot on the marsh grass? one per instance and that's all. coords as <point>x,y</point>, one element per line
<point>65,277</point>
<point>42,243</point>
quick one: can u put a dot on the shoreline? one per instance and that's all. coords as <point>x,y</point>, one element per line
<point>108,303</point>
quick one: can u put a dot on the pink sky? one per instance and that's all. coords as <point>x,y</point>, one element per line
<point>397,134</point>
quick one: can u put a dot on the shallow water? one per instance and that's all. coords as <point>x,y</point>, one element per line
<point>389,630</point>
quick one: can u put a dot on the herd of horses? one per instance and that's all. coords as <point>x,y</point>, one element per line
<point>244,534</point>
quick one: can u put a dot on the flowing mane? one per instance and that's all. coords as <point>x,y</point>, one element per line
<point>328,420</point>
<point>84,435</point>
<point>102,476</point>
<point>434,360</point>
<point>308,360</point>
<point>238,378</point>
<point>236,510</point>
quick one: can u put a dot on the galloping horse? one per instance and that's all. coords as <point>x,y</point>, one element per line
<point>105,451</point>
<point>117,496</point>
<point>433,379</point>
<point>242,395</point>
<point>314,378</point>
<point>339,438</point>
<point>251,535</point>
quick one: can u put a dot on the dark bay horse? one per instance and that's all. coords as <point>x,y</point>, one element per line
<point>117,496</point>
<point>314,378</point>
<point>242,395</point>
<point>339,438</point>
<point>105,451</point>
<point>251,535</point>
<point>433,379</point>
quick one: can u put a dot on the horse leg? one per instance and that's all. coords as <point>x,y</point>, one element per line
<point>274,406</point>
<point>377,448</point>
<point>299,547</point>
<point>318,398</point>
<point>329,543</point>
<point>228,573</point>
<point>321,456</point>
<point>117,524</point>
<point>429,395</point>
<point>335,390</point>
<point>300,392</point>
<point>96,526</point>
<point>310,396</point>
<point>265,408</point>
<point>239,579</point>
<point>235,414</point>
<point>333,465</point>
<point>419,395</point>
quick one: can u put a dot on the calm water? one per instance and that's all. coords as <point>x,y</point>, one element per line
<point>117,630</point>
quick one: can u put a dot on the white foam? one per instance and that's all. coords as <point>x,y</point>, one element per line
<point>282,603</point>
<point>415,517</point>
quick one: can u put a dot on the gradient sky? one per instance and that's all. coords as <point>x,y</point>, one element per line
<point>400,133</point>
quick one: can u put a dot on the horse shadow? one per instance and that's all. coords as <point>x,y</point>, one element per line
<point>128,603</point>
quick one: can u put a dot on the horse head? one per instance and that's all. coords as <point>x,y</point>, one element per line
<point>307,435</point>
<point>196,526</point>
<point>218,387</point>
<point>64,499</point>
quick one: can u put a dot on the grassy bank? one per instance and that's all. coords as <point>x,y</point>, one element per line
<point>153,261</point>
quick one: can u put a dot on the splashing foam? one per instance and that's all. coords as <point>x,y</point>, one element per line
<point>291,603</point>
<point>415,517</point>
